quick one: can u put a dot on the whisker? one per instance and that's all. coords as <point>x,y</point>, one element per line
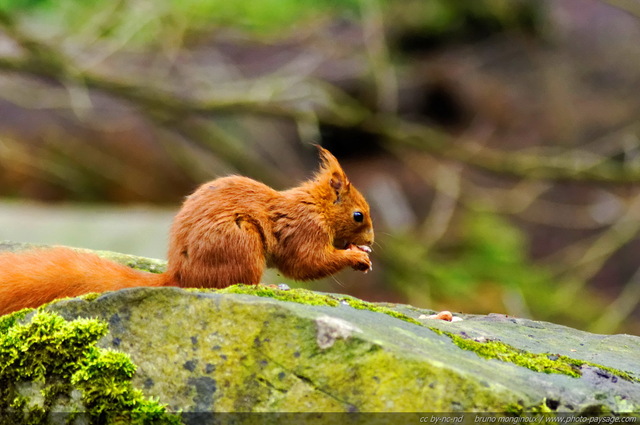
<point>384,233</point>
<point>335,279</point>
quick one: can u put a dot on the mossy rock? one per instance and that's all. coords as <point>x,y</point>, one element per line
<point>257,349</point>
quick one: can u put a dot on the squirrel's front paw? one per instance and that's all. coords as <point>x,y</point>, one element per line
<point>362,260</point>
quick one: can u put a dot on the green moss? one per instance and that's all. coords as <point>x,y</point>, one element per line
<point>515,409</point>
<point>9,320</point>
<point>44,362</point>
<point>538,362</point>
<point>364,305</point>
<point>91,296</point>
<point>303,296</point>
<point>616,372</point>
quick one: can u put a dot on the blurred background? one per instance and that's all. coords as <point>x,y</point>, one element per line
<point>497,141</point>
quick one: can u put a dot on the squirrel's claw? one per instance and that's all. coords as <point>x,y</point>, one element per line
<point>363,248</point>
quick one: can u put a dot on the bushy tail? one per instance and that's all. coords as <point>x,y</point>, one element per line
<point>35,277</point>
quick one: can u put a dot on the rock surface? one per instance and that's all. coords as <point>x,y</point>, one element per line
<point>203,351</point>
<point>200,351</point>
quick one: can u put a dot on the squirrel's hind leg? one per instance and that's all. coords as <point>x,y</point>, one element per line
<point>226,256</point>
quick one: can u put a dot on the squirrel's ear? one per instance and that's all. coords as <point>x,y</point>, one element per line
<point>331,168</point>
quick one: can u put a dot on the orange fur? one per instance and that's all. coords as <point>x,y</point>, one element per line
<point>226,232</point>
<point>32,278</point>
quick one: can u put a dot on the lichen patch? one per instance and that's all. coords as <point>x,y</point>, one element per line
<point>330,329</point>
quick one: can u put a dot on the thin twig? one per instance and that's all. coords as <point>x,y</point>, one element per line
<point>621,308</point>
<point>570,165</point>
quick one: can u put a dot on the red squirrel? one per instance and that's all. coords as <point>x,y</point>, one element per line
<point>226,232</point>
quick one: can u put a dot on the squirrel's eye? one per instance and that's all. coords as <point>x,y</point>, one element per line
<point>358,216</point>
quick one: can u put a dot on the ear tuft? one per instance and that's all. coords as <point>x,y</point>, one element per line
<point>329,162</point>
<point>330,168</point>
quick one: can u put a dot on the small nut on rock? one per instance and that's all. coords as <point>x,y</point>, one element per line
<point>443,315</point>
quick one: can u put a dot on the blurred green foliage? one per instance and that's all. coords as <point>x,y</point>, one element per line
<point>482,264</point>
<point>485,267</point>
<point>439,18</point>
<point>487,249</point>
<point>191,16</point>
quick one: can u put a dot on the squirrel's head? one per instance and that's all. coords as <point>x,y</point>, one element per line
<point>346,209</point>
